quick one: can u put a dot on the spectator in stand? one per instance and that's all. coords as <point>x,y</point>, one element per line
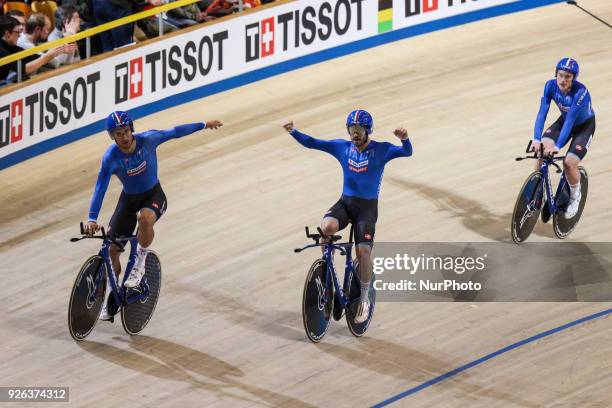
<point>10,30</point>
<point>67,23</point>
<point>87,21</point>
<point>187,16</point>
<point>220,8</point>
<point>17,15</point>
<point>109,10</point>
<point>251,3</point>
<point>150,25</point>
<point>37,30</point>
<point>82,7</point>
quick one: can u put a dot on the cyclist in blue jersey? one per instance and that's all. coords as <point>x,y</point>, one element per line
<point>576,123</point>
<point>363,161</point>
<point>133,159</point>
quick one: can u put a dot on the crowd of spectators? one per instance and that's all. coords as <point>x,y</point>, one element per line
<point>19,31</point>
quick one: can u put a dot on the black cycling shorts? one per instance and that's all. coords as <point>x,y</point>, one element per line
<point>362,213</point>
<point>123,221</point>
<point>581,136</point>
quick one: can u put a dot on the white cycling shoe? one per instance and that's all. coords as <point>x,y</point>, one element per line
<point>104,315</point>
<point>572,207</point>
<point>135,276</point>
<point>363,311</point>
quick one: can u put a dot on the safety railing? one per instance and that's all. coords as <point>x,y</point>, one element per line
<point>87,34</point>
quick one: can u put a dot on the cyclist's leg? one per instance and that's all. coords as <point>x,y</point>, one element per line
<point>364,238</point>
<point>550,137</point>
<point>334,220</point>
<point>146,220</point>
<point>581,141</point>
<point>152,207</point>
<point>364,214</point>
<point>122,223</point>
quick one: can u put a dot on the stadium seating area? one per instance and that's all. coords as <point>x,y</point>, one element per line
<point>26,24</point>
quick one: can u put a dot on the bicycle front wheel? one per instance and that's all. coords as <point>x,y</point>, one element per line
<point>315,311</point>
<point>527,207</point>
<point>87,297</point>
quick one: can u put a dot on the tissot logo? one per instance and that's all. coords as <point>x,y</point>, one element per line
<point>267,37</point>
<point>129,79</point>
<point>414,7</point>
<point>136,78</point>
<point>44,109</point>
<point>260,39</point>
<point>16,120</point>
<point>302,27</point>
<point>168,67</point>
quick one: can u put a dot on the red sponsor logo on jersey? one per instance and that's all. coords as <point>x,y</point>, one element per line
<point>356,170</point>
<point>137,170</point>
<point>367,236</point>
<point>578,147</point>
<point>358,167</point>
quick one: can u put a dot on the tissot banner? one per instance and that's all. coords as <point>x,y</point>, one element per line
<point>51,108</point>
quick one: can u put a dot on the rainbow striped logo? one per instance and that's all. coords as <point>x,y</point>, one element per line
<point>385,16</point>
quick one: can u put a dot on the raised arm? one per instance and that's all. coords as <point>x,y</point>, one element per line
<point>405,150</point>
<point>161,136</point>
<point>332,147</point>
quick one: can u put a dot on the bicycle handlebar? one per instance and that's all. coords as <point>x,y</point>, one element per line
<point>317,238</point>
<point>339,247</point>
<point>548,159</point>
<point>119,242</point>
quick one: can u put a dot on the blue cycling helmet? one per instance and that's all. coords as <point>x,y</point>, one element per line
<point>361,118</point>
<point>569,65</point>
<point>118,119</point>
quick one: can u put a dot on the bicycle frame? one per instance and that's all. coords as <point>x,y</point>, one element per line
<point>547,185</point>
<point>120,292</point>
<point>331,271</point>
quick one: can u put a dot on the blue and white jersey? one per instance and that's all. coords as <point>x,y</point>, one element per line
<point>137,171</point>
<point>575,107</point>
<point>362,171</point>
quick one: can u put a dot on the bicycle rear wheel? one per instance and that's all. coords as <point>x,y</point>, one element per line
<point>87,297</point>
<point>354,294</point>
<point>136,315</point>
<point>315,312</point>
<point>562,226</point>
<point>527,208</point>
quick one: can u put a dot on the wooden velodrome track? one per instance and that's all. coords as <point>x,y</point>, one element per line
<point>228,329</point>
